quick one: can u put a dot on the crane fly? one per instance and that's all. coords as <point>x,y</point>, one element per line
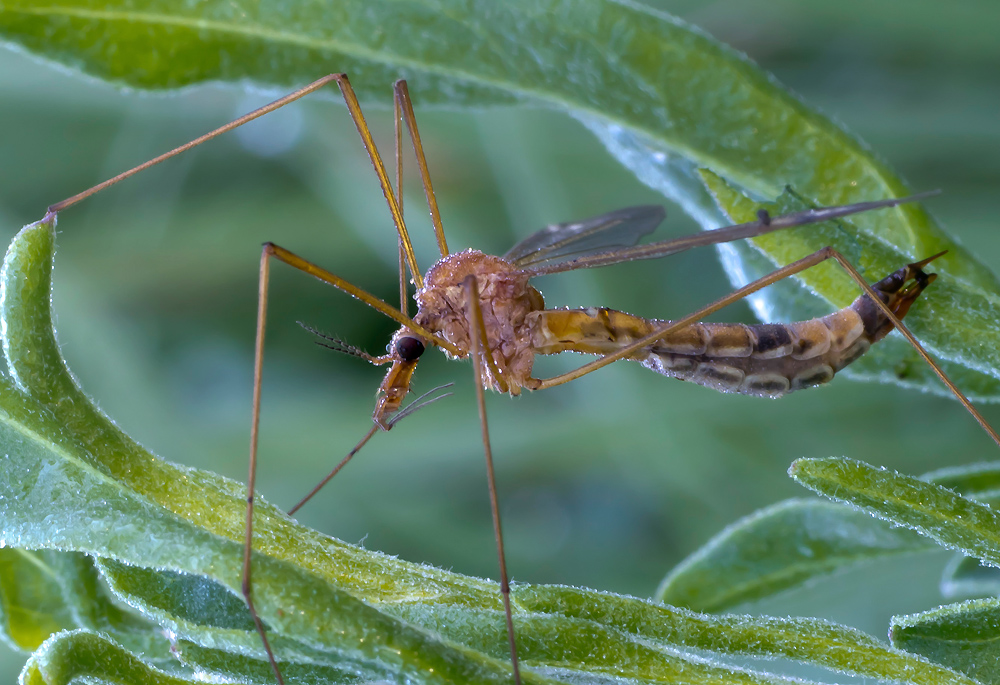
<point>483,307</point>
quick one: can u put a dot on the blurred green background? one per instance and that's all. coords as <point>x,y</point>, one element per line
<point>606,482</point>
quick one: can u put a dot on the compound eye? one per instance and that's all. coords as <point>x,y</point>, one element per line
<point>409,349</point>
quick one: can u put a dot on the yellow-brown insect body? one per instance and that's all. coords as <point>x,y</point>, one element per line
<point>394,387</point>
<point>505,298</point>
<point>767,360</point>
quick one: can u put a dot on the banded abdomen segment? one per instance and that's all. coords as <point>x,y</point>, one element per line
<point>767,360</point>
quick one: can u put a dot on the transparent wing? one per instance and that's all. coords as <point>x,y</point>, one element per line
<point>563,259</point>
<point>559,242</point>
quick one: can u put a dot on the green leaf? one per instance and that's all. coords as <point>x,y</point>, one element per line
<point>217,631</point>
<point>603,629</point>
<point>32,605</point>
<point>965,637</point>
<point>229,666</point>
<point>812,641</point>
<point>596,621</point>
<point>664,98</point>
<point>78,656</point>
<point>968,577</point>
<point>778,548</point>
<point>169,598</point>
<point>98,612</point>
<point>91,607</point>
<point>797,541</point>
<point>169,539</point>
<point>45,592</point>
<point>932,510</point>
<point>971,480</point>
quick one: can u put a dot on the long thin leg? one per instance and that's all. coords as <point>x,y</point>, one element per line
<point>490,362</point>
<point>281,102</point>
<point>414,406</point>
<point>401,99</point>
<point>775,276</point>
<point>290,258</point>
<point>694,317</point>
<point>383,178</point>
<point>475,317</point>
<point>258,367</point>
<point>398,147</point>
<point>359,121</point>
<point>271,250</point>
<point>395,206</point>
<point>912,339</point>
<point>336,469</point>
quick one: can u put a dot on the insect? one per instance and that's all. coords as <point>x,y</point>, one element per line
<point>484,308</point>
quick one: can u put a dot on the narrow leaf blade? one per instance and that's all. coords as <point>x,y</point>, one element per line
<point>965,637</point>
<point>778,548</point>
<point>814,641</point>
<point>966,577</point>
<point>32,605</point>
<point>932,510</point>
<point>83,656</point>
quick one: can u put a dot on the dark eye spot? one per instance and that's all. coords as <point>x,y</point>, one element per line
<point>409,349</point>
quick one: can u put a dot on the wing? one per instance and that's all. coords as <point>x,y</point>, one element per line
<point>558,242</point>
<point>627,251</point>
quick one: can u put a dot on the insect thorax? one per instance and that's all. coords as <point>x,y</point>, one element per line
<point>505,298</point>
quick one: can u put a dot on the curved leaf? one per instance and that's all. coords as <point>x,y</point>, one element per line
<point>965,637</point>
<point>168,597</point>
<point>663,97</point>
<point>812,641</point>
<point>611,633</point>
<point>796,541</point>
<point>217,632</point>
<point>778,548</point>
<point>968,577</point>
<point>32,606</point>
<point>45,592</point>
<point>932,510</point>
<point>230,666</point>
<point>79,655</point>
<point>971,480</point>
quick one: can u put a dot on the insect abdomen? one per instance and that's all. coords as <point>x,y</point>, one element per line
<point>767,360</point>
<point>774,360</point>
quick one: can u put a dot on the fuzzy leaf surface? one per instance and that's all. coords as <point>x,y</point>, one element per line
<point>797,541</point>
<point>81,656</point>
<point>964,636</point>
<point>32,604</point>
<point>778,548</point>
<point>932,510</point>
